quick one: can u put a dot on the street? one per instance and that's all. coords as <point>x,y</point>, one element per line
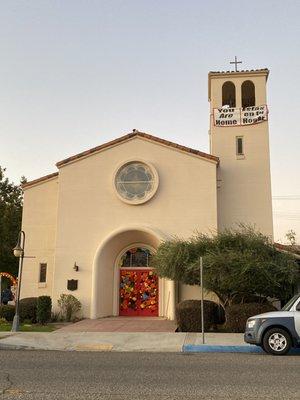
<point>136,376</point>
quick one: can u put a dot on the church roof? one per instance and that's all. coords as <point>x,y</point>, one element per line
<point>293,249</point>
<point>120,140</point>
<point>247,71</point>
<point>39,180</point>
<point>132,135</point>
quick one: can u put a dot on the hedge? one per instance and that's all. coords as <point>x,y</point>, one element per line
<point>188,315</point>
<point>43,313</point>
<point>7,312</point>
<point>27,309</point>
<point>237,314</point>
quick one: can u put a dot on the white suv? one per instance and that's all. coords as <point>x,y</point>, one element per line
<point>277,331</point>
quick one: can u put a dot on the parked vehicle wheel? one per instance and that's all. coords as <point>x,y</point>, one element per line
<point>277,342</point>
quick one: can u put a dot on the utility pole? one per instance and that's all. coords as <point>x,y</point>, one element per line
<point>202,300</point>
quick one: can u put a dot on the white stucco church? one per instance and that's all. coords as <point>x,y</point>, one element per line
<point>93,225</point>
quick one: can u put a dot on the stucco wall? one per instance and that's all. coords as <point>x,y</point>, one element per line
<point>39,224</point>
<point>89,210</point>
<point>244,183</point>
<point>193,292</point>
<point>105,295</point>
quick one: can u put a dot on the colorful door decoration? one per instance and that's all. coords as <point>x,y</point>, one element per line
<point>138,292</point>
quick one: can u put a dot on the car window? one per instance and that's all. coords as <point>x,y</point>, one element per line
<point>290,303</point>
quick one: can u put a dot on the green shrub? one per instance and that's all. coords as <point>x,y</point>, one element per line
<point>188,315</point>
<point>56,317</point>
<point>26,322</point>
<point>69,306</point>
<point>43,309</point>
<point>7,312</point>
<point>237,314</point>
<point>27,309</point>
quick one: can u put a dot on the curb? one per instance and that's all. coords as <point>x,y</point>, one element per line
<point>205,348</point>
<point>15,347</point>
<point>93,347</point>
<point>188,348</point>
<point>202,348</point>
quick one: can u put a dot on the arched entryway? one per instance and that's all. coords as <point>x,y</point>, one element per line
<point>138,283</point>
<point>105,298</point>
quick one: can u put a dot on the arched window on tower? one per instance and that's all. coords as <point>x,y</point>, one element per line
<point>248,94</point>
<point>228,94</point>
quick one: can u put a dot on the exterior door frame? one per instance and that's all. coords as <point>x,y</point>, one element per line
<point>116,292</point>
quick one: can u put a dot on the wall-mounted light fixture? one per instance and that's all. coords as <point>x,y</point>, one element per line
<point>76,267</point>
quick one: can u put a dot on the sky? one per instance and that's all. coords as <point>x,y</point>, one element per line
<point>75,74</point>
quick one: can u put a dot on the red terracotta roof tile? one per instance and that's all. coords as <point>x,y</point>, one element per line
<point>42,179</point>
<point>133,135</point>
<point>238,72</point>
<point>289,248</point>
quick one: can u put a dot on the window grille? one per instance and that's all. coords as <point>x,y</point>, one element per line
<point>239,146</point>
<point>43,272</point>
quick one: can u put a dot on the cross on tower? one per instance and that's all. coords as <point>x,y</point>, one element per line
<point>236,62</point>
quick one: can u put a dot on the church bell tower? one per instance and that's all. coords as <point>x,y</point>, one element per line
<point>239,136</point>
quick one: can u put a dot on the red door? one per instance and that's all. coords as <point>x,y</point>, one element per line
<point>138,292</point>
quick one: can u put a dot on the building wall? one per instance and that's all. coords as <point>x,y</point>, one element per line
<point>39,224</point>
<point>244,183</point>
<point>89,210</point>
<point>193,292</point>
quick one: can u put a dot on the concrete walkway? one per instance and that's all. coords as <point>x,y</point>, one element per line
<point>114,341</point>
<point>118,334</point>
<point>129,342</point>
<point>122,324</point>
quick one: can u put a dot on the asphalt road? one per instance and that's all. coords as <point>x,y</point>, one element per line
<point>53,375</point>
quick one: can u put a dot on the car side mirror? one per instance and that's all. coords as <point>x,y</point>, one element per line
<point>298,306</point>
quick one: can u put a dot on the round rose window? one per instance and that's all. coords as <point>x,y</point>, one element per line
<point>136,182</point>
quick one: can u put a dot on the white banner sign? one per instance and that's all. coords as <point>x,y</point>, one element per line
<point>240,116</point>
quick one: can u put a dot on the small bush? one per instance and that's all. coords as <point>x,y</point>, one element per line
<point>56,317</point>
<point>27,309</point>
<point>188,315</point>
<point>43,309</point>
<point>26,322</point>
<point>7,312</point>
<point>69,306</point>
<point>237,314</point>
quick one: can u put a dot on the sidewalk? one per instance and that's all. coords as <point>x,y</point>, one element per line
<point>120,341</point>
<point>122,324</point>
<point>116,341</point>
